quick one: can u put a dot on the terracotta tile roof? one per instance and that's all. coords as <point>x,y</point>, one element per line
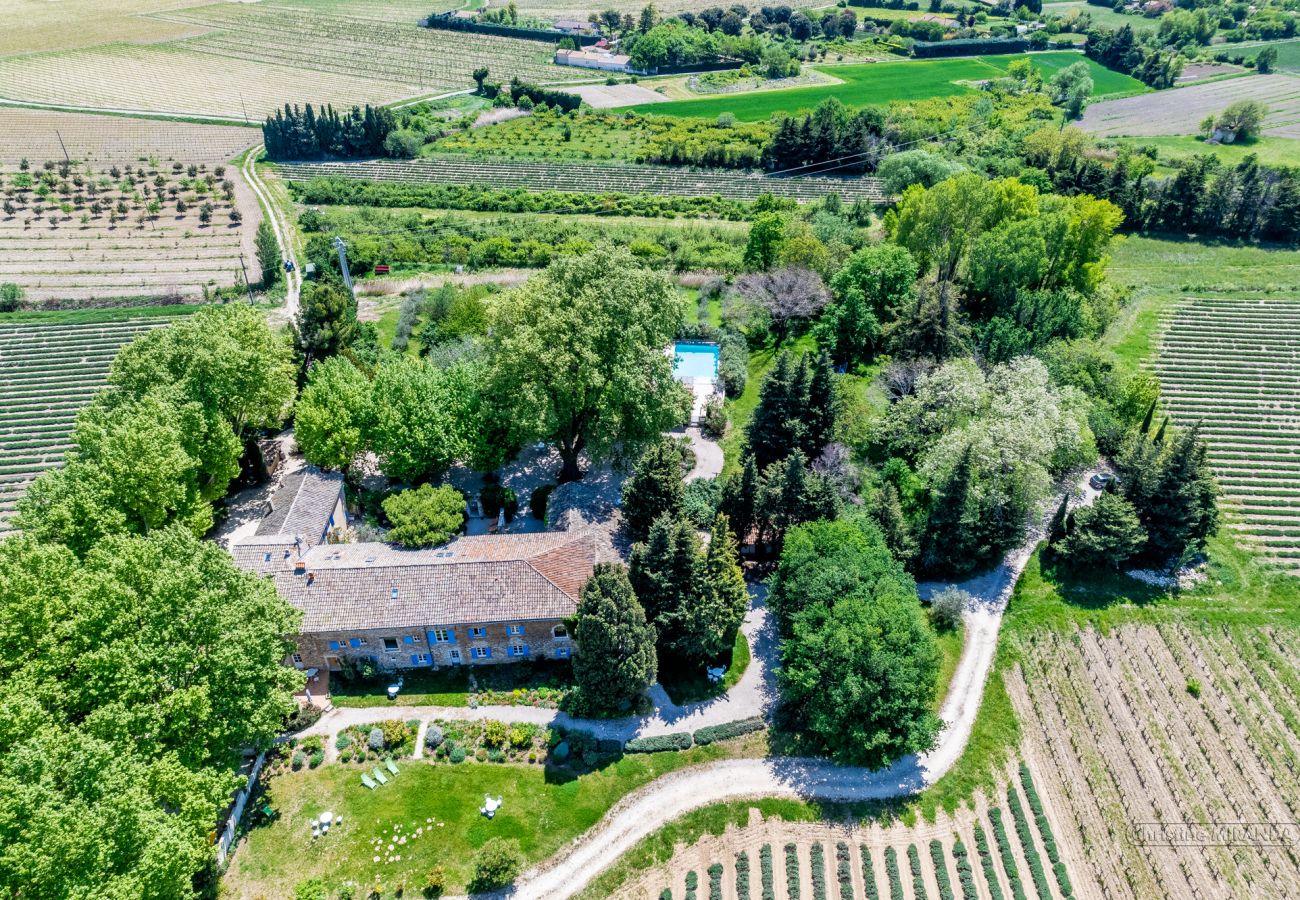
<point>492,578</point>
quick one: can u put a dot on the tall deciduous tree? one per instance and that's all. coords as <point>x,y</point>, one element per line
<point>332,417</point>
<point>577,356</point>
<point>616,646</point>
<point>872,287</point>
<point>764,244</point>
<point>420,419</point>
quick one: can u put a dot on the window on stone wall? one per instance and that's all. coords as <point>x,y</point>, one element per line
<point>390,644</point>
<point>560,632</point>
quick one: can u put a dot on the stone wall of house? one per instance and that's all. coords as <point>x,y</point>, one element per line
<point>405,648</point>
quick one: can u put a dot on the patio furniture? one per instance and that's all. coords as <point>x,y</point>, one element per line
<point>368,781</point>
<point>378,775</point>
<point>392,767</point>
<point>490,806</point>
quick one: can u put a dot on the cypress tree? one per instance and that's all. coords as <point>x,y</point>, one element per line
<point>1160,434</point>
<point>1059,526</point>
<point>775,428</point>
<point>664,570</point>
<point>706,625</point>
<point>655,489</point>
<point>738,497</point>
<point>820,408</point>
<point>949,544</point>
<point>616,646</point>
<point>1181,511</point>
<point>888,513</point>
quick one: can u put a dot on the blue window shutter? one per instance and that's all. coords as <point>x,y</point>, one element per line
<point>334,645</point>
<point>451,635</point>
<point>525,649</point>
<point>408,640</point>
<point>415,660</point>
<point>489,652</point>
<point>354,643</point>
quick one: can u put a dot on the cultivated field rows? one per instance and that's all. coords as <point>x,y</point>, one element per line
<point>47,374</point>
<point>583,178</point>
<point>1162,726</point>
<point>1180,110</point>
<point>1233,367</point>
<point>983,853</point>
<point>35,134</point>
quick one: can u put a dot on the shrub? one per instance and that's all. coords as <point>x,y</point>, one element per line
<point>844,870</point>
<point>560,752</point>
<point>765,871</point>
<point>432,736</point>
<point>1035,861</point>
<point>791,872</point>
<point>311,889</point>
<point>715,881</point>
<point>312,743</point>
<point>891,872</point>
<point>869,875</point>
<point>711,733</point>
<point>692,882</point>
<point>481,754</point>
<point>1045,832</point>
<point>947,607</point>
<point>299,760</point>
<point>316,759</point>
<point>941,870</point>
<point>395,733</point>
<point>345,756</point>
<point>1194,687</point>
<point>457,754</point>
<point>965,874</point>
<point>679,740</point>
<point>435,882</point>
<point>918,883</point>
<point>496,756</point>
<point>495,497</point>
<point>817,861</point>
<point>986,863</point>
<point>495,864</point>
<point>714,421</point>
<point>733,362</point>
<point>537,501</point>
<point>303,717</point>
<point>742,876</point>
<point>494,733</point>
<point>343,741</point>
<point>376,739</point>
<point>11,297</point>
<point>1008,857</point>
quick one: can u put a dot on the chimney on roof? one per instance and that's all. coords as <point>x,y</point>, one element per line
<point>300,567</point>
<point>311,576</point>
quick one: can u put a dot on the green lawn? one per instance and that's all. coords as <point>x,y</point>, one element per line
<point>1276,151</point>
<point>690,688</point>
<point>951,642</point>
<point>543,809</point>
<point>1103,17</point>
<point>886,82</point>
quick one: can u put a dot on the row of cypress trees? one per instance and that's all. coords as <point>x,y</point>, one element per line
<point>307,133</point>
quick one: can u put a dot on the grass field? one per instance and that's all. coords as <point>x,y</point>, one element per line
<point>1277,151</point>
<point>1288,53</point>
<point>1101,16</point>
<point>50,366</point>
<point>869,84</point>
<point>543,809</point>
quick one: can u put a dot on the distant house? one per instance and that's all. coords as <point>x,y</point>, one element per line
<point>465,15</point>
<point>594,59</point>
<point>574,26</point>
<point>486,599</point>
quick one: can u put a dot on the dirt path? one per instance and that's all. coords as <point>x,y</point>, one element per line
<point>293,280</point>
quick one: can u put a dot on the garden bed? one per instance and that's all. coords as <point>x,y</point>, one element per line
<point>542,684</point>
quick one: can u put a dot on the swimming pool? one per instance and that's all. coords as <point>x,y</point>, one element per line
<point>694,360</point>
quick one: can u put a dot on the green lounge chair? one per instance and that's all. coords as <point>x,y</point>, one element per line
<point>392,767</point>
<point>368,781</point>
<point>378,775</point>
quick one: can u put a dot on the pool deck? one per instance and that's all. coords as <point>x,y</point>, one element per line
<point>701,387</point>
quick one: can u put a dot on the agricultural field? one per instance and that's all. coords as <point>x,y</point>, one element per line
<point>1180,110</point>
<point>37,134</point>
<point>1274,151</point>
<point>1161,725</point>
<point>81,235</point>
<point>874,83</point>
<point>36,25</point>
<point>1288,53</point>
<point>1006,849</point>
<point>577,178</point>
<point>241,61</point>
<point>1233,367</point>
<point>1101,16</point>
<point>49,369</point>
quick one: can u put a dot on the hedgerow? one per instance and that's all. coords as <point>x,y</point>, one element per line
<point>817,862</point>
<point>1045,832</point>
<point>986,863</point>
<point>869,875</point>
<point>844,871</point>
<point>678,740</point>
<point>710,733</point>
<point>1027,843</point>
<point>765,872</point>
<point>1008,858</point>
<point>715,881</point>
<point>941,870</point>
<point>891,872</point>
<point>742,875</point>
<point>918,883</point>
<point>965,874</point>
<point>692,882</point>
<point>791,872</point>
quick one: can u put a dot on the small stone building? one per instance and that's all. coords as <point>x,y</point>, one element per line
<point>475,600</point>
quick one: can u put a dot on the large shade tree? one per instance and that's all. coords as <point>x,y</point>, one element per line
<point>576,356</point>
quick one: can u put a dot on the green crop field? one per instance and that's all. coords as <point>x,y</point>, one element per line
<point>876,83</point>
<point>50,367</point>
<point>1288,53</point>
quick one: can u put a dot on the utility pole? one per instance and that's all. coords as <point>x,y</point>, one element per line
<point>66,158</point>
<point>247,286</point>
<point>343,265</point>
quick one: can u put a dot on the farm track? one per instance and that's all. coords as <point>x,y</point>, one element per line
<point>47,374</point>
<point>1115,740</point>
<point>1233,368</point>
<point>588,178</point>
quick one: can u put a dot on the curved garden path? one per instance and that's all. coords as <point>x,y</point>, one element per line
<point>280,226</point>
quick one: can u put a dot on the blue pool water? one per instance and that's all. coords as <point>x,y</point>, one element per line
<point>695,360</point>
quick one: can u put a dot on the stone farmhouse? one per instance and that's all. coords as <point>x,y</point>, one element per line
<point>476,600</point>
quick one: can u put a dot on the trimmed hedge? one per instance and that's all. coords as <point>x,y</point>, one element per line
<point>742,875</point>
<point>1045,832</point>
<point>711,733</point>
<point>678,740</point>
<point>1008,858</point>
<point>791,872</point>
<point>986,864</point>
<point>965,874</point>
<point>817,860</point>
<point>968,47</point>
<point>891,872</point>
<point>1027,844</point>
<point>692,882</point>
<point>869,875</point>
<point>844,870</point>
<point>765,869</point>
<point>941,870</point>
<point>715,881</point>
<point>918,883</point>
